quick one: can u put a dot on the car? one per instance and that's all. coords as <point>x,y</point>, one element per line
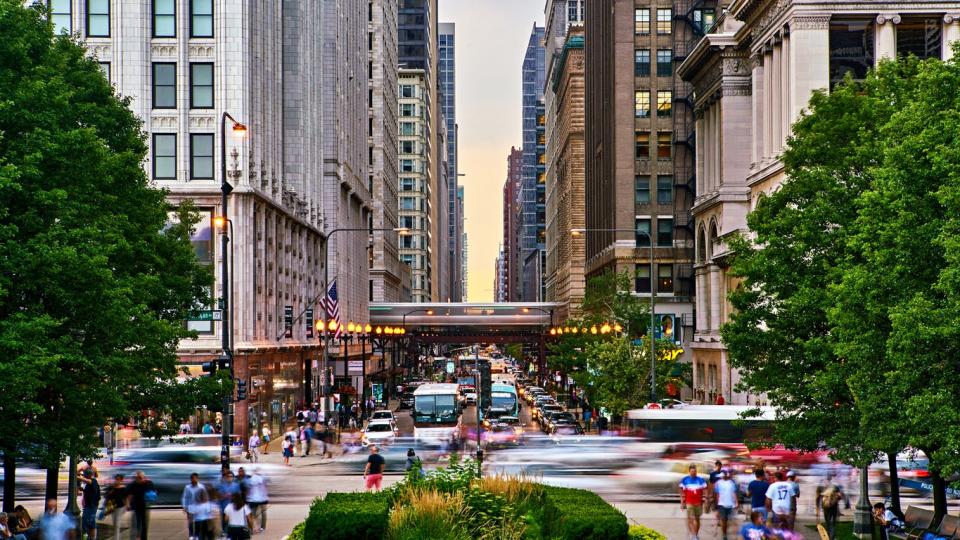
<point>551,418</point>
<point>539,412</point>
<point>406,400</point>
<point>470,398</point>
<point>383,414</point>
<point>379,432</point>
<point>564,427</point>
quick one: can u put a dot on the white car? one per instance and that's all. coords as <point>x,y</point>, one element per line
<point>383,415</point>
<point>379,432</point>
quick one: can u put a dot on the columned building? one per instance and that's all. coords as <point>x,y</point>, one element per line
<point>631,194</point>
<point>416,183</point>
<point>753,75</point>
<point>565,178</point>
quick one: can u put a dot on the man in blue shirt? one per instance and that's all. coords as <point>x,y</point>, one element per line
<point>755,529</point>
<point>757,490</point>
<point>56,526</point>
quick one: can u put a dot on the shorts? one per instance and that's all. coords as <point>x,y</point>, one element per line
<point>694,510</point>
<point>725,512</point>
<point>88,518</point>
<point>374,480</point>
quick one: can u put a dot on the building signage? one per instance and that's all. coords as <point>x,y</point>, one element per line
<point>309,318</point>
<point>288,322</point>
<point>206,315</point>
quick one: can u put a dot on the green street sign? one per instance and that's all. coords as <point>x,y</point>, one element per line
<point>206,315</point>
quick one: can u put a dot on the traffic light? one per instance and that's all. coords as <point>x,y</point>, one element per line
<point>241,390</point>
<point>485,385</point>
<point>224,361</point>
<point>210,368</point>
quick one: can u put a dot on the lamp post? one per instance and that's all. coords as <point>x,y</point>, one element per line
<point>226,325</point>
<point>653,303</point>
<point>326,288</point>
<point>862,516</point>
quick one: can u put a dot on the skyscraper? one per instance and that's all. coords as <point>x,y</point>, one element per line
<point>448,100</point>
<point>415,206</point>
<point>531,256</point>
<point>512,191</point>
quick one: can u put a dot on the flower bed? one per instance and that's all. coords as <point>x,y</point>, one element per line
<point>452,504</point>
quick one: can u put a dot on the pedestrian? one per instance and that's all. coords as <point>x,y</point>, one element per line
<point>207,428</point>
<point>725,490</point>
<point>780,502</point>
<point>114,503</point>
<point>56,525</point>
<point>188,500</point>
<point>307,439</point>
<point>885,518</point>
<point>185,428</point>
<point>141,493</point>
<point>227,487</point>
<point>828,499</point>
<point>196,505</point>
<point>586,417</point>
<point>712,478</point>
<point>755,529</point>
<point>795,487</point>
<point>253,447</point>
<point>91,502</point>
<point>757,491</point>
<point>373,472</point>
<point>238,520</point>
<point>692,489</point>
<point>265,434</point>
<point>287,447</point>
<point>5,530</point>
<point>312,416</point>
<point>257,499</point>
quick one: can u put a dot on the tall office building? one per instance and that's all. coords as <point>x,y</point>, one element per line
<point>512,192</point>
<point>184,65</point>
<point>382,126</point>
<point>630,187</point>
<point>531,254</point>
<point>415,209</point>
<point>448,100</point>
<point>463,255</point>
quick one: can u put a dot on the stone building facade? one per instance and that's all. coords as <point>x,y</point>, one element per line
<point>512,213</point>
<point>416,183</point>
<point>754,74</point>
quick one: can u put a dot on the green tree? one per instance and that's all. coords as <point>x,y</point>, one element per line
<point>95,282</point>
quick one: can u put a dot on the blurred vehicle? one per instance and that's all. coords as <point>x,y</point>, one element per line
<point>470,398</point>
<point>502,434</point>
<point>565,427</point>
<point>384,415</point>
<point>406,400</point>
<point>379,432</point>
<point>551,418</point>
<point>431,453</point>
<point>493,414</point>
<point>531,393</point>
<point>672,404</point>
<point>550,407</point>
<point>702,423</point>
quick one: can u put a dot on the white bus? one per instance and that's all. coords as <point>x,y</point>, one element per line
<point>436,412</point>
<point>701,423</point>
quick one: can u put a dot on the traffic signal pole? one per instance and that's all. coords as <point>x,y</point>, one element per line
<point>225,325</point>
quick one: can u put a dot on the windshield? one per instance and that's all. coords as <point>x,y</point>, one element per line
<point>382,414</point>
<point>551,408</point>
<point>435,409</point>
<point>379,427</point>
<point>504,400</point>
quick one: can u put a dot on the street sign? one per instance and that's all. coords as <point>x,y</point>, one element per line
<point>355,367</point>
<point>309,321</point>
<point>450,368</point>
<point>205,315</point>
<point>288,321</point>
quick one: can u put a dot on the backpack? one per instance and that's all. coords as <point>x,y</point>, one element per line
<point>830,497</point>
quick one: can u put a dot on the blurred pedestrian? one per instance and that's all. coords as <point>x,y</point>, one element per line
<point>373,472</point>
<point>238,519</point>
<point>287,447</point>
<point>780,502</point>
<point>196,505</point>
<point>727,500</point>
<point>692,489</point>
<point>227,487</point>
<point>757,491</point>
<point>795,501</point>
<point>257,499</point>
<point>114,502</point>
<point>91,502</point>
<point>265,434</point>
<point>712,478</point>
<point>828,499</point>
<point>207,428</point>
<point>141,493</point>
<point>253,447</point>
<point>307,439</point>
<point>755,529</point>
<point>56,525</point>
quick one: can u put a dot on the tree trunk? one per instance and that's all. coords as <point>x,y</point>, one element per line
<point>53,474</point>
<point>939,495</point>
<point>9,482</point>
<point>894,484</point>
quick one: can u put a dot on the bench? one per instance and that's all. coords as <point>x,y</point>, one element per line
<point>949,527</point>
<point>916,522</point>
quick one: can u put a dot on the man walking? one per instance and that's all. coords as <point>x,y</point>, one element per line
<point>757,491</point>
<point>373,472</point>
<point>140,493</point>
<point>56,525</point>
<point>226,487</point>
<point>253,447</point>
<point>692,489</point>
<point>828,498</point>
<point>257,499</point>
<point>780,501</point>
<point>711,501</point>
<point>795,489</point>
<point>194,494</point>
<point>91,501</point>
<point>114,503</point>
<point>727,503</point>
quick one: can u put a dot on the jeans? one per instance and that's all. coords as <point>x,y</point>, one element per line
<point>254,454</point>
<point>139,522</point>
<point>116,515</point>
<point>830,518</point>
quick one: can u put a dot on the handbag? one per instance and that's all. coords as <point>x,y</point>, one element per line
<point>150,496</point>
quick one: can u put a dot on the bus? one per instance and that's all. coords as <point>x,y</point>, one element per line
<point>436,412</point>
<point>702,424</point>
<point>504,396</point>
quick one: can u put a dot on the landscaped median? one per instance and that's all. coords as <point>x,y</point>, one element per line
<point>452,504</point>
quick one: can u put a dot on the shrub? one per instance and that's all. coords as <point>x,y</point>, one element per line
<point>429,514</point>
<point>639,532</point>
<point>348,516</point>
<point>297,532</point>
<point>517,490</point>
<point>577,514</point>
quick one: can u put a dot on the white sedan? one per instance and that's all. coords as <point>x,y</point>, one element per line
<point>379,432</point>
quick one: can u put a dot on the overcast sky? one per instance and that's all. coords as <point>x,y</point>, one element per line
<point>491,41</point>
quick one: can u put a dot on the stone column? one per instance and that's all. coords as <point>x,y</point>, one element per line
<point>700,126</point>
<point>716,297</point>
<point>951,33</point>
<point>769,90</point>
<point>757,79</point>
<point>886,36</point>
<point>809,58</point>
<point>725,387</point>
<point>784,109</point>
<point>702,305</point>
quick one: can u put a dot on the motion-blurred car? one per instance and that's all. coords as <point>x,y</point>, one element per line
<point>565,427</point>
<point>379,432</point>
<point>470,398</point>
<point>406,400</point>
<point>539,412</point>
<point>548,423</point>
<point>384,415</point>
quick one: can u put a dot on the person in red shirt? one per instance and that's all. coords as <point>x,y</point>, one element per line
<point>692,488</point>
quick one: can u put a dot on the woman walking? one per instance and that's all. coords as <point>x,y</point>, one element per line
<point>287,449</point>
<point>239,521</point>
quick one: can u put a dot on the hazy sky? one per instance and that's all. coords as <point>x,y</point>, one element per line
<point>491,41</point>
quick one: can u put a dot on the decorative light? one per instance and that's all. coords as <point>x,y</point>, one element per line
<point>605,329</point>
<point>560,331</point>
<point>553,331</point>
<point>617,327</point>
<point>593,329</point>
<point>583,330</point>
<point>403,331</point>
<point>367,328</point>
<point>319,326</point>
<point>575,329</point>
<point>219,222</point>
<point>332,325</point>
<point>351,327</point>
<point>379,330</point>
<point>388,331</point>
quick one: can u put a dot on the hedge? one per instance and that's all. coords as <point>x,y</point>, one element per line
<point>579,514</point>
<point>348,516</point>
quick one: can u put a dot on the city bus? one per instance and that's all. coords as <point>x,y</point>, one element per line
<point>436,412</point>
<point>504,397</point>
<point>702,424</point>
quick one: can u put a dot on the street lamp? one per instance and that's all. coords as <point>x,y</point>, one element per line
<point>653,303</point>
<point>226,325</point>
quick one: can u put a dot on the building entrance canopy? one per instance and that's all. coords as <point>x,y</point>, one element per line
<point>467,321</point>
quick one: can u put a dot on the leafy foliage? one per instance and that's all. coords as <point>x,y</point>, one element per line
<point>582,515</point>
<point>342,516</point>
<point>639,532</point>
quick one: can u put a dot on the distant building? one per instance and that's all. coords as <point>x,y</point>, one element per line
<point>415,182</point>
<point>512,210</point>
<point>532,243</point>
<point>448,100</point>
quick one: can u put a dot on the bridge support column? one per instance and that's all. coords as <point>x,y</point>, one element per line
<point>542,361</point>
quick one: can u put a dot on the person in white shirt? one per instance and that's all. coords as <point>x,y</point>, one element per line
<point>781,501</point>
<point>257,498</point>
<point>239,519</point>
<point>254,447</point>
<point>727,503</point>
<point>265,436</point>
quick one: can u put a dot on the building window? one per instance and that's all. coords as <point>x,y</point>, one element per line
<point>664,21</point>
<point>164,85</point>
<point>703,20</point>
<point>98,18</point>
<point>664,278</point>
<point>201,156</point>
<point>164,18</point>
<point>573,11</point>
<point>643,279</point>
<point>641,190</point>
<point>642,145</point>
<point>664,189</point>
<point>664,146</point>
<point>665,232</point>
<point>201,86</point>
<point>105,68</point>
<point>664,103</point>
<point>641,21</point>
<point>201,18</point>
<point>643,232</point>
<point>407,91</point>
<point>851,49</point>
<point>407,128</point>
<point>406,165</point>
<point>407,222</point>
<point>664,62</point>
<point>641,101</point>
<point>408,203</point>
<point>164,156</point>
<point>60,16</point>
<point>406,147</point>
<point>406,241</point>
<point>641,62</point>
<point>919,37</point>
<point>408,109</point>
<point>407,184</point>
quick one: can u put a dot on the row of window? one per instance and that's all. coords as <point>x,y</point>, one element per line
<point>164,16</point>
<point>641,62</point>
<point>165,85</point>
<point>664,21</point>
<point>664,232</point>
<point>664,145</point>
<point>664,279</point>
<point>413,204</point>
<point>165,156</point>
<point>408,109</point>
<point>641,100</point>
<point>642,189</point>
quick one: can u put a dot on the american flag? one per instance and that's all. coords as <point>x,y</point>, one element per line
<point>332,305</point>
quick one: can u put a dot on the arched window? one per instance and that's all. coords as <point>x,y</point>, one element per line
<point>713,237</point>
<point>702,245</point>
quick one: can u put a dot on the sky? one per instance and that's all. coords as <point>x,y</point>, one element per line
<point>491,39</point>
